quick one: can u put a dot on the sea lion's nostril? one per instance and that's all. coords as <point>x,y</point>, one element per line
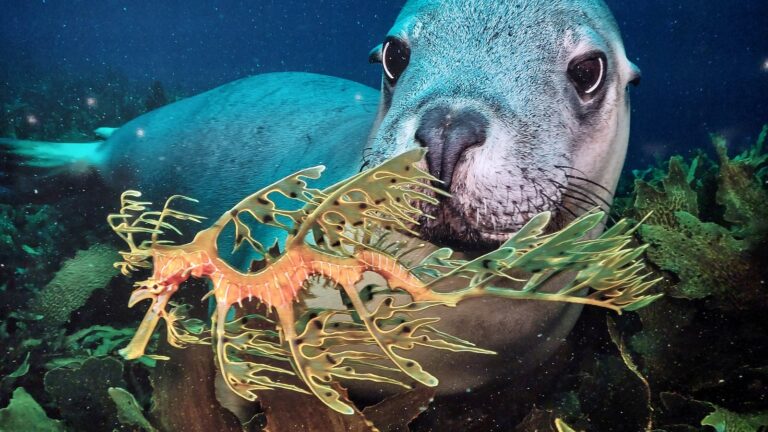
<point>447,134</point>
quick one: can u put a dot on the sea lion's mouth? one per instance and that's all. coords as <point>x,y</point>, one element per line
<point>488,204</point>
<point>466,221</point>
<point>450,224</point>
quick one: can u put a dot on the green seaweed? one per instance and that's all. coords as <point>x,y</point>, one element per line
<point>706,337</point>
<point>706,258</point>
<point>741,190</point>
<point>29,244</point>
<point>25,414</point>
<point>129,412</point>
<point>74,283</point>
<point>710,253</point>
<point>724,420</point>
<point>94,341</point>
<point>673,193</point>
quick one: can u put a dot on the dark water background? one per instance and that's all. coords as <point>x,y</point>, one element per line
<point>705,63</point>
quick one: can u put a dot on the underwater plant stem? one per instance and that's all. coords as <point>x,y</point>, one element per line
<point>617,340</point>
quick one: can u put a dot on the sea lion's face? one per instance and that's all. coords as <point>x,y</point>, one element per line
<point>521,104</point>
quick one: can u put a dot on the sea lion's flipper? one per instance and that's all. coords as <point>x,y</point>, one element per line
<point>26,165</point>
<point>374,56</point>
<point>53,156</point>
<point>105,132</point>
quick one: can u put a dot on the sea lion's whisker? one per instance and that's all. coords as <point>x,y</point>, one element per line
<point>582,189</point>
<point>582,176</point>
<point>557,204</point>
<point>571,212</point>
<point>571,176</point>
<point>561,218</point>
<point>585,191</point>
<point>588,202</point>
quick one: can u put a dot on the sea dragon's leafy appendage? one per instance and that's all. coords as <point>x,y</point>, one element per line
<point>338,234</point>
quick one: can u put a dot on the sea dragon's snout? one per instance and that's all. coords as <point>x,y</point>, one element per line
<point>170,268</point>
<point>159,294</point>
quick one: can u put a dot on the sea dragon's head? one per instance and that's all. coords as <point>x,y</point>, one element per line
<point>171,264</point>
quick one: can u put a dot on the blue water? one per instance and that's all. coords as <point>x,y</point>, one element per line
<point>705,64</point>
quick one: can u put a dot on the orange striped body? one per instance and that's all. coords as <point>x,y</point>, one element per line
<point>281,282</point>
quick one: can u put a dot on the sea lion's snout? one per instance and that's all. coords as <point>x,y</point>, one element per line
<point>522,106</point>
<point>447,133</point>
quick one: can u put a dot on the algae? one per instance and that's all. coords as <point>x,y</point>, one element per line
<point>700,352</point>
<point>706,258</point>
<point>129,412</point>
<point>25,414</point>
<point>29,245</point>
<point>741,190</point>
<point>673,194</point>
<point>711,253</point>
<point>707,338</point>
<point>94,341</point>
<point>724,420</point>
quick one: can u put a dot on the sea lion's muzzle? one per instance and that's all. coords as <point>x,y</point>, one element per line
<point>447,134</point>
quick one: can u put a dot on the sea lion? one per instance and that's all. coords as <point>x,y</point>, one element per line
<point>522,104</point>
<point>524,107</point>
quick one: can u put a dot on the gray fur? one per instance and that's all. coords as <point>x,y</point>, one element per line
<point>221,145</point>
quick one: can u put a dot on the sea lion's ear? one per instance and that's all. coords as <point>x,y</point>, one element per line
<point>635,74</point>
<point>375,55</point>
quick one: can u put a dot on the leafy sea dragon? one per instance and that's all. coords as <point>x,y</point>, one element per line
<point>337,234</point>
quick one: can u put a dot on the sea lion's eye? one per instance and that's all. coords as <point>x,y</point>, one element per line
<point>395,55</point>
<point>587,73</point>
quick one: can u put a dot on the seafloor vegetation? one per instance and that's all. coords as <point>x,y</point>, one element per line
<point>695,360</point>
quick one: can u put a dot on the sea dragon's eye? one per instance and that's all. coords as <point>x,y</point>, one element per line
<point>587,73</point>
<point>395,55</point>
